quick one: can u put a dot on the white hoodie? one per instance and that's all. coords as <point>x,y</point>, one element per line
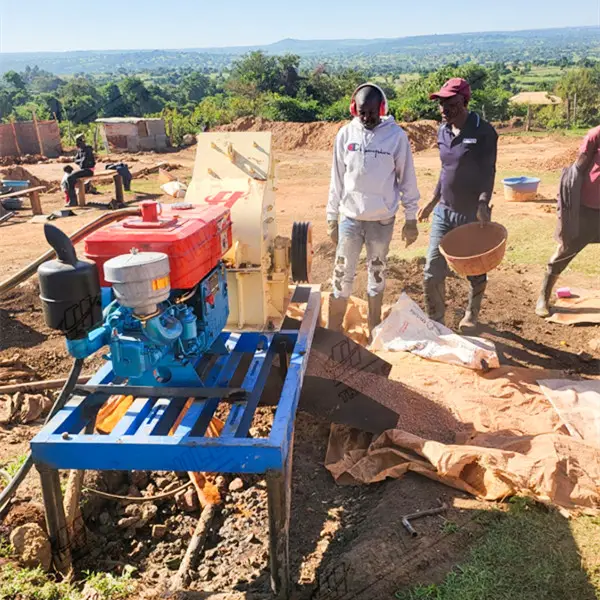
<point>372,173</point>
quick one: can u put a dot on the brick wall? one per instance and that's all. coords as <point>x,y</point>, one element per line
<point>50,134</point>
<point>28,140</point>
<point>7,141</point>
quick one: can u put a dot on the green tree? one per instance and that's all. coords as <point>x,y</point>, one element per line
<point>196,86</point>
<point>257,73</point>
<point>284,108</point>
<point>138,98</point>
<point>113,104</point>
<point>14,79</point>
<point>584,86</point>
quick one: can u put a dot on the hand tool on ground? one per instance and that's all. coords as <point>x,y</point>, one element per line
<point>406,519</point>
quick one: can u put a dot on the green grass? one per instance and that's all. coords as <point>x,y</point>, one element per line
<point>6,549</point>
<point>14,465</point>
<point>34,584</point>
<point>110,587</point>
<point>528,553</point>
<point>538,76</point>
<point>576,132</point>
<point>449,527</point>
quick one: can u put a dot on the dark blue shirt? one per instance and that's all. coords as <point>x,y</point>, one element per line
<point>468,165</point>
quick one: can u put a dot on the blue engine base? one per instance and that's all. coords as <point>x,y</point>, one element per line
<point>141,440</point>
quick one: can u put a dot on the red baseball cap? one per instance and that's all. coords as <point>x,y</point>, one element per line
<point>453,87</point>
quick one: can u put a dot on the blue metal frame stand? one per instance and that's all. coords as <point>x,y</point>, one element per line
<point>141,440</point>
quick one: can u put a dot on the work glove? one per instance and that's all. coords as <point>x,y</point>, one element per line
<point>484,212</point>
<point>410,233</point>
<point>332,231</point>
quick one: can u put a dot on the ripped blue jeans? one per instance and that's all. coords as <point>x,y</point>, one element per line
<point>376,236</point>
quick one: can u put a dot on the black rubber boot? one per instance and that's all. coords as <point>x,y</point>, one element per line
<point>542,308</point>
<point>337,311</point>
<point>470,320</point>
<point>435,300</point>
<point>374,314</point>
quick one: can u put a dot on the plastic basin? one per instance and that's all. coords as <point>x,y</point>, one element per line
<point>474,249</point>
<point>520,189</point>
<point>15,183</point>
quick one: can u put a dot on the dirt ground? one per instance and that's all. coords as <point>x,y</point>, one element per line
<point>347,542</point>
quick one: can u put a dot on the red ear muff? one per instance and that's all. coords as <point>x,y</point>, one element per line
<point>383,108</point>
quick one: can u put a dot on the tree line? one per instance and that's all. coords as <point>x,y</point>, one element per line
<point>274,88</point>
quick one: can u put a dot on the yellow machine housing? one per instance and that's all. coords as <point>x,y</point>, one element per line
<point>237,170</point>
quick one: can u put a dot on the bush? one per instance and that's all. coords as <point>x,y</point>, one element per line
<point>284,108</point>
<point>338,111</point>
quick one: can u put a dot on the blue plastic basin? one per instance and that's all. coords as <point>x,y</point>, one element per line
<point>14,184</point>
<point>522,184</point>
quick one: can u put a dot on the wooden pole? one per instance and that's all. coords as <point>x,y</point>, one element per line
<point>575,109</point>
<point>568,113</point>
<point>14,131</point>
<point>56,522</point>
<point>37,133</point>
<point>528,126</point>
<point>81,192</point>
<point>119,194</point>
<point>36,204</point>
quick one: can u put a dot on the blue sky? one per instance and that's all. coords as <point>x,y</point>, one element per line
<point>42,25</point>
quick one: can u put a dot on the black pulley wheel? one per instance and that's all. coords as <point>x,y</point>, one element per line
<point>301,252</point>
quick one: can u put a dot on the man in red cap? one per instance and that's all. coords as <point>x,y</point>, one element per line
<point>468,148</point>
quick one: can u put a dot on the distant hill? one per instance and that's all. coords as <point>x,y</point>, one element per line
<point>379,55</point>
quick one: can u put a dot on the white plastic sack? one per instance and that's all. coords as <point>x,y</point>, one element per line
<point>408,329</point>
<point>174,188</point>
<point>577,403</point>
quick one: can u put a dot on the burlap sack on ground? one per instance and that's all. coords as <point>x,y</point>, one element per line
<point>492,435</point>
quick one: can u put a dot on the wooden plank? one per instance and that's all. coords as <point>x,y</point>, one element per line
<point>56,522</point>
<point>36,205</point>
<point>279,499</point>
<point>133,418</point>
<point>23,193</point>
<point>102,175</point>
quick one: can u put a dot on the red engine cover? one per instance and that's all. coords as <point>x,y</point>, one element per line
<point>194,244</point>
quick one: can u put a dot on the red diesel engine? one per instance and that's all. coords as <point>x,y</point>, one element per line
<point>195,238</point>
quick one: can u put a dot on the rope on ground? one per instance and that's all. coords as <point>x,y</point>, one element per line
<point>168,494</point>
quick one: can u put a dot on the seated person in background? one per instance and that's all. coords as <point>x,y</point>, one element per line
<point>86,162</point>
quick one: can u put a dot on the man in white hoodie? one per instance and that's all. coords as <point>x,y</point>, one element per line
<point>372,173</point>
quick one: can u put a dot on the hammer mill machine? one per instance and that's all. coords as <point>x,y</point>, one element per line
<point>186,302</point>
